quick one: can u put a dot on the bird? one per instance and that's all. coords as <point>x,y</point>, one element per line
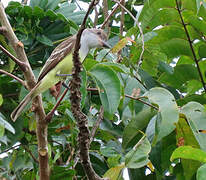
<point>60,62</point>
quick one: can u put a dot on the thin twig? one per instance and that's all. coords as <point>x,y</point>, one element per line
<point>96,125</point>
<point>29,151</point>
<point>139,81</point>
<point>110,15</point>
<point>140,29</point>
<point>140,100</point>
<point>96,16</point>
<point>13,147</point>
<point>191,46</point>
<point>22,65</point>
<point>119,59</point>
<point>105,12</point>
<point>13,76</point>
<point>51,113</point>
<point>131,97</point>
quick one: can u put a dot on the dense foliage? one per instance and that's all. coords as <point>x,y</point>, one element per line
<point>165,137</point>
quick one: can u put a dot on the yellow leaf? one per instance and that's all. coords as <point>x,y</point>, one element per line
<point>150,166</point>
<point>121,44</point>
<point>113,173</point>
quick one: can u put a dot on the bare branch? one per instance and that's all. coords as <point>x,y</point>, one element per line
<point>13,76</point>
<point>21,64</point>
<point>30,80</point>
<point>131,97</point>
<point>51,113</point>
<point>140,29</point>
<point>121,30</point>
<point>105,12</point>
<point>96,125</point>
<point>110,15</point>
<point>29,151</point>
<point>96,16</point>
<point>140,100</point>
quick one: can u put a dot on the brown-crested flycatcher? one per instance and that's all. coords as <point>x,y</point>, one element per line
<point>60,62</point>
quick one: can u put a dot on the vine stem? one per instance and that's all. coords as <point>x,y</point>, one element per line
<point>191,46</point>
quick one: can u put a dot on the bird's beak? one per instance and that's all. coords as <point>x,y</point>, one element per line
<point>106,45</point>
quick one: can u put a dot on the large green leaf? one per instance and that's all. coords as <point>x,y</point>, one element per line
<point>108,85</point>
<point>138,156</point>
<point>185,137</point>
<point>188,152</point>
<point>151,8</point>
<point>168,111</point>
<point>182,74</point>
<point>176,47</point>
<point>196,115</point>
<point>139,122</point>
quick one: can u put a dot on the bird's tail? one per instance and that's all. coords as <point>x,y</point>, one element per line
<point>18,110</point>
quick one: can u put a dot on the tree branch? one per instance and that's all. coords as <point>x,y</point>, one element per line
<point>110,15</point>
<point>30,80</point>
<point>140,100</point>
<point>105,12</point>
<point>140,29</point>
<point>75,98</point>
<point>13,76</point>
<point>96,125</point>
<point>191,46</point>
<point>131,97</point>
<point>29,151</point>
<point>21,64</point>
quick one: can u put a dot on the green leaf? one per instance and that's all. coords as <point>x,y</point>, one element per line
<point>117,67</point>
<point>188,152</point>
<point>1,100</point>
<point>139,122</point>
<point>201,51</point>
<point>108,85</point>
<point>176,47</point>
<point>201,172</point>
<point>44,40</point>
<point>195,21</point>
<point>63,173</point>
<point>196,115</point>
<point>185,137</point>
<point>2,130</point>
<point>5,124</point>
<point>151,9</point>
<point>52,4</point>
<point>113,173</point>
<point>112,149</point>
<point>168,111</point>
<point>182,74</point>
<point>138,156</point>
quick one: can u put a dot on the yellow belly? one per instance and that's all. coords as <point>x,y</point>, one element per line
<point>63,67</point>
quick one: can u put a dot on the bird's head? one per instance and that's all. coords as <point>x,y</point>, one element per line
<point>94,38</point>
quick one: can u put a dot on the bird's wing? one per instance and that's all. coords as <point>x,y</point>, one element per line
<point>58,54</point>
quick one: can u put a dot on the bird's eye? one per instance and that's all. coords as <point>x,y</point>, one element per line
<point>98,33</point>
